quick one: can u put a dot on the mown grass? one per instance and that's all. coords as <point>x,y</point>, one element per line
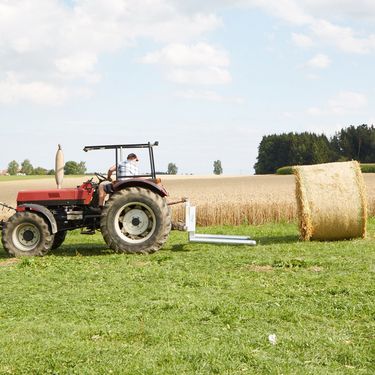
<point>192,308</point>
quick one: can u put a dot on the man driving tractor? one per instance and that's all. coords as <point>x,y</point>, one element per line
<point>129,167</point>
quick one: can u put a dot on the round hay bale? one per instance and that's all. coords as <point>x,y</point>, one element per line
<point>331,201</point>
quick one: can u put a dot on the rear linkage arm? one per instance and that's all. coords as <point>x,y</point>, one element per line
<point>6,206</point>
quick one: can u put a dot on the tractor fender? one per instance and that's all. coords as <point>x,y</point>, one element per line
<point>41,209</point>
<point>136,182</point>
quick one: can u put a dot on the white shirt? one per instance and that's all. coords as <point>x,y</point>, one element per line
<point>127,168</point>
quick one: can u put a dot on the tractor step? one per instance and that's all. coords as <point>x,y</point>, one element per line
<point>88,231</point>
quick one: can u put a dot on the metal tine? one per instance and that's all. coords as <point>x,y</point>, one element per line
<point>190,222</point>
<point>4,205</point>
<point>229,237</point>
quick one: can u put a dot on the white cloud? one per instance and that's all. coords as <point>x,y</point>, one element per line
<point>319,61</point>
<point>354,9</point>
<point>288,10</point>
<point>58,45</point>
<point>12,90</point>
<point>200,64</point>
<point>53,45</point>
<point>316,15</point>
<point>78,65</point>
<point>302,40</point>
<point>170,26</point>
<point>209,96</point>
<point>343,103</point>
<point>179,54</point>
<point>343,38</point>
<point>303,11</point>
<point>201,76</point>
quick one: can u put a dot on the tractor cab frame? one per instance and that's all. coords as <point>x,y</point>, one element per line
<point>119,154</point>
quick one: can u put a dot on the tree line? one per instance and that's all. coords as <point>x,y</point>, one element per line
<point>74,168</point>
<point>26,168</point>
<point>351,143</point>
<point>218,169</point>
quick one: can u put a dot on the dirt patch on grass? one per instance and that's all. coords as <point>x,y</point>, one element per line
<point>9,262</point>
<point>287,267</point>
<point>258,268</point>
<point>141,264</point>
<point>315,269</point>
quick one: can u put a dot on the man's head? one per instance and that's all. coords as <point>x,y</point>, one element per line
<point>132,157</point>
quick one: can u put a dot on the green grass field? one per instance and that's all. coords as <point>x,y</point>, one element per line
<point>21,178</point>
<point>191,308</point>
<point>34,177</point>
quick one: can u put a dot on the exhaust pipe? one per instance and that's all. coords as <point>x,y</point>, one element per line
<point>59,167</point>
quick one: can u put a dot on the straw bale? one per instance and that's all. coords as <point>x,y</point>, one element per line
<point>331,201</point>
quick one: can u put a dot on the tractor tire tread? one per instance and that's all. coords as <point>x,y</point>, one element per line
<point>43,247</point>
<point>117,244</point>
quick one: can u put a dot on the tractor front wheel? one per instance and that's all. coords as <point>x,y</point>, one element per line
<point>26,234</point>
<point>135,220</point>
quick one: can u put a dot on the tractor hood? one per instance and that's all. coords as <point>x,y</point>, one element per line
<point>55,197</point>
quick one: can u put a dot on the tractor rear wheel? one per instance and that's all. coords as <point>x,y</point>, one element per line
<point>27,234</point>
<point>135,220</point>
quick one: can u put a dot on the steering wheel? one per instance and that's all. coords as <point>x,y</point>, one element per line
<point>101,177</point>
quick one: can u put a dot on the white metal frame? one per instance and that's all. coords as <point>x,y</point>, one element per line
<point>190,220</point>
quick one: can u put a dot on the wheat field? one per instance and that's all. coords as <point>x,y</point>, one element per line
<point>243,199</point>
<point>220,200</point>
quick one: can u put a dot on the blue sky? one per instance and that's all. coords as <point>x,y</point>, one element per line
<point>207,81</point>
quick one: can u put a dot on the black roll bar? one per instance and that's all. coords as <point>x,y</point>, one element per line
<point>148,145</point>
<point>116,147</point>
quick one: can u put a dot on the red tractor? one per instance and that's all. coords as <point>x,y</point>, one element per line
<point>135,219</point>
